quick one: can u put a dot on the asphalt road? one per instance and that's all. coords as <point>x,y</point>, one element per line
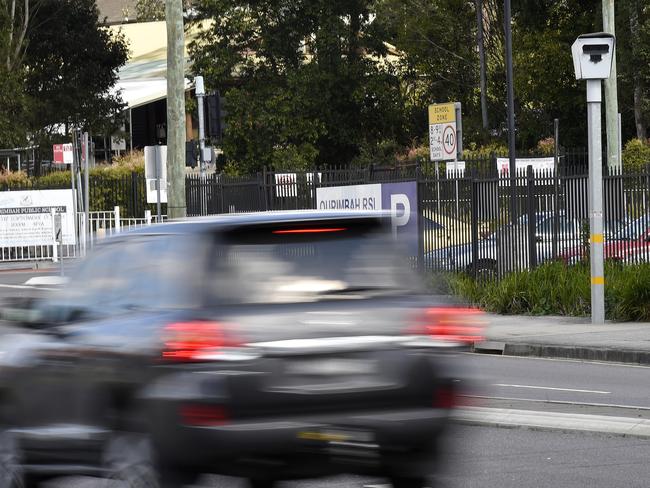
<point>478,456</point>
<point>498,379</point>
<point>482,457</point>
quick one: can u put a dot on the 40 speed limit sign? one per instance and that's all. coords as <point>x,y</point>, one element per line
<point>442,132</point>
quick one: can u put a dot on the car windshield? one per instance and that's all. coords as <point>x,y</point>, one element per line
<point>262,267</point>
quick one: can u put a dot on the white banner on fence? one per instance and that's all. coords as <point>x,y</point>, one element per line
<point>455,169</point>
<point>353,197</point>
<point>286,183</point>
<point>26,217</point>
<point>541,166</point>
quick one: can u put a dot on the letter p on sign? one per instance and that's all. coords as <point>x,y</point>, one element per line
<point>400,211</point>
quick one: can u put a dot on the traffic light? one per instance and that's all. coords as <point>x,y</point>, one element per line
<point>216,117</point>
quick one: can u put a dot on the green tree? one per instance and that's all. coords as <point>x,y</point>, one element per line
<point>545,84</point>
<point>439,61</point>
<point>152,10</point>
<point>307,82</point>
<point>57,71</point>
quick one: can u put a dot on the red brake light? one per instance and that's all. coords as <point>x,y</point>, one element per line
<point>445,397</point>
<point>196,341</point>
<point>314,230</point>
<point>204,415</point>
<point>452,324</point>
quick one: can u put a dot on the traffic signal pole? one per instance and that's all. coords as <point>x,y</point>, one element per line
<point>199,91</point>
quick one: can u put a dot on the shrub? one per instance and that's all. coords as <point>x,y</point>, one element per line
<point>486,151</point>
<point>11,179</point>
<point>558,289</point>
<point>636,155</point>
<point>628,292</point>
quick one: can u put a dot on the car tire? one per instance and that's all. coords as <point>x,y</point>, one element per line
<point>409,481</point>
<point>11,473</point>
<point>130,459</point>
<point>261,483</point>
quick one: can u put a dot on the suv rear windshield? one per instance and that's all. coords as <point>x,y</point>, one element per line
<point>298,263</point>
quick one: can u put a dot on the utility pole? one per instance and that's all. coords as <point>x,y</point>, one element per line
<point>611,95</point>
<point>511,112</point>
<point>481,54</point>
<point>176,207</point>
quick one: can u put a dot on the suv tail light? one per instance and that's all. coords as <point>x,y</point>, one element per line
<point>453,324</point>
<point>196,341</point>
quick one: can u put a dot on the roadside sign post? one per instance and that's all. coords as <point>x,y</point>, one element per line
<point>155,173</point>
<point>592,61</point>
<point>58,236</point>
<point>443,136</point>
<point>86,157</point>
<point>157,176</point>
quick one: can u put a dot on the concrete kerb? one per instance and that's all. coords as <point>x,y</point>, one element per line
<point>553,421</point>
<point>585,353</point>
<point>28,265</point>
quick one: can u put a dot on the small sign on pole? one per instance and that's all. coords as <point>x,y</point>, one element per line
<point>62,153</point>
<point>443,143</point>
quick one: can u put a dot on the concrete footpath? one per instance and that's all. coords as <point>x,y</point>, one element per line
<point>566,337</point>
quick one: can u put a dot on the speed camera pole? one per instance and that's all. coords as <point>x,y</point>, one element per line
<point>592,60</point>
<point>594,100</point>
<point>176,207</point>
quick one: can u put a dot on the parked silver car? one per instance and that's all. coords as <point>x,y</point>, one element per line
<point>508,243</point>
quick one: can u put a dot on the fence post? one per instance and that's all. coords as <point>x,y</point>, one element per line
<point>420,217</point>
<point>262,187</point>
<point>147,217</point>
<point>532,221</point>
<point>474,224</point>
<point>55,256</point>
<point>135,201</point>
<point>117,219</point>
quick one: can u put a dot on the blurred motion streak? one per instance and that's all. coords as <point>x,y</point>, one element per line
<point>267,346</point>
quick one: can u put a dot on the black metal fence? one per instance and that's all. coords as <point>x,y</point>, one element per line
<point>483,225</point>
<point>477,221</point>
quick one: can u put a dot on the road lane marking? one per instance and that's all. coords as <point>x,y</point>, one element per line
<point>552,388</point>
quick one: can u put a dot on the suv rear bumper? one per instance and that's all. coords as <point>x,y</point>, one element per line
<point>373,442</point>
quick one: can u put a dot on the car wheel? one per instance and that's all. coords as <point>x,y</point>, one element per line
<point>408,482</point>
<point>129,459</point>
<point>261,483</point>
<point>11,473</point>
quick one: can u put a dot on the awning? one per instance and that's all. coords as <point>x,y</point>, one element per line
<point>143,79</point>
<point>136,93</point>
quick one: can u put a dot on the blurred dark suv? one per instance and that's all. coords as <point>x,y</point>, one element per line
<point>270,346</point>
